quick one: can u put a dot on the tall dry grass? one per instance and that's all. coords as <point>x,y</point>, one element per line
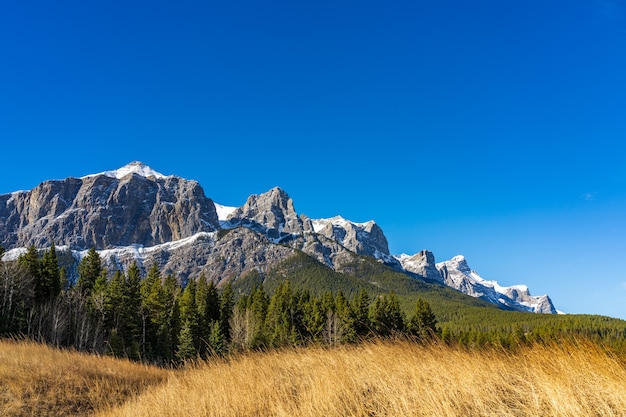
<point>396,379</point>
<point>37,380</point>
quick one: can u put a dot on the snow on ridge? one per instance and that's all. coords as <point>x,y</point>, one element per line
<point>140,249</point>
<point>223,211</point>
<point>319,224</point>
<point>135,167</point>
<point>13,254</point>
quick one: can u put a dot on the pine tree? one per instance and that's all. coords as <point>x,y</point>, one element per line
<point>423,324</point>
<point>154,316</point>
<point>278,319</point>
<point>50,275</point>
<point>186,349</point>
<point>360,309</point>
<point>132,309</point>
<point>217,341</point>
<point>387,317</point>
<point>346,317</point>
<point>170,330</point>
<point>30,261</point>
<point>89,269</point>
<point>258,303</point>
<point>208,309</point>
<point>227,302</point>
<point>189,315</point>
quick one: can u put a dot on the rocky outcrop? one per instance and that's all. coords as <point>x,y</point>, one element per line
<point>220,257</point>
<point>105,210</point>
<point>362,238</point>
<point>271,213</point>
<point>421,264</point>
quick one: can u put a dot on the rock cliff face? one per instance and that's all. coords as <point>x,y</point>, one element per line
<point>422,264</point>
<point>271,213</point>
<point>117,208</point>
<point>363,238</point>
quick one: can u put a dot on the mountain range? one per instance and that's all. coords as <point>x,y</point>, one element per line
<point>135,214</point>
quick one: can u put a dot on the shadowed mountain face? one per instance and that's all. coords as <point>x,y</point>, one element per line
<point>135,214</point>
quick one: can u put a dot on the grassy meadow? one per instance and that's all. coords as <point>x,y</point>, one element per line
<point>37,380</point>
<point>381,378</point>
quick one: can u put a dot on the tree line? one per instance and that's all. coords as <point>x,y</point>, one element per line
<point>153,318</point>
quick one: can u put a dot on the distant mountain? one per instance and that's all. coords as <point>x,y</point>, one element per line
<point>457,274</point>
<point>135,214</point>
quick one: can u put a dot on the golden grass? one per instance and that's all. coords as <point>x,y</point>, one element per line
<point>395,379</point>
<point>36,380</point>
<point>374,379</point>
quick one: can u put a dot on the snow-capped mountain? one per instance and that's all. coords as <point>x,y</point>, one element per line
<point>136,214</point>
<point>362,238</point>
<point>457,274</point>
<point>135,167</point>
<point>131,205</point>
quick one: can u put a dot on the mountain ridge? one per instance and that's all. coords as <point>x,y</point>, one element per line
<point>135,213</point>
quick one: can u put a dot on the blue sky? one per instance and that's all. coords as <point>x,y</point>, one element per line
<point>490,129</point>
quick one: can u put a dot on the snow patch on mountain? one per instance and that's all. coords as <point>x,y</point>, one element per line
<point>141,253</point>
<point>135,167</point>
<point>13,254</point>
<point>319,224</point>
<point>224,211</point>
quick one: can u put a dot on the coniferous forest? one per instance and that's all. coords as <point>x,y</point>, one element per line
<point>151,317</point>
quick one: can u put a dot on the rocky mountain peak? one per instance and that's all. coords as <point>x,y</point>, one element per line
<point>130,205</point>
<point>459,263</point>
<point>272,212</point>
<point>362,238</point>
<point>457,274</point>
<point>422,264</point>
<point>135,167</point>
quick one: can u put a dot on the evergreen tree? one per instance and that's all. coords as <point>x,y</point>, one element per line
<point>30,261</point>
<point>89,269</point>
<point>186,349</point>
<point>258,304</point>
<point>387,317</point>
<point>227,302</point>
<point>315,316</point>
<point>189,315</point>
<point>217,341</point>
<point>278,319</point>
<point>360,310</point>
<point>170,330</point>
<point>50,274</point>
<point>208,310</point>
<point>132,309</point>
<point>423,323</point>
<point>154,315</point>
<point>346,317</point>
<point>114,312</point>
<point>98,298</point>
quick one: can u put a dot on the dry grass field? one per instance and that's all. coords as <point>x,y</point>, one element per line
<point>36,380</point>
<point>374,379</point>
<point>396,379</point>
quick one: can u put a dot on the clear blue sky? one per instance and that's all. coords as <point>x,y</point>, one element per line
<point>493,129</point>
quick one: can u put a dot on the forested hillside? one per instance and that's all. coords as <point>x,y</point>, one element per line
<point>153,318</point>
